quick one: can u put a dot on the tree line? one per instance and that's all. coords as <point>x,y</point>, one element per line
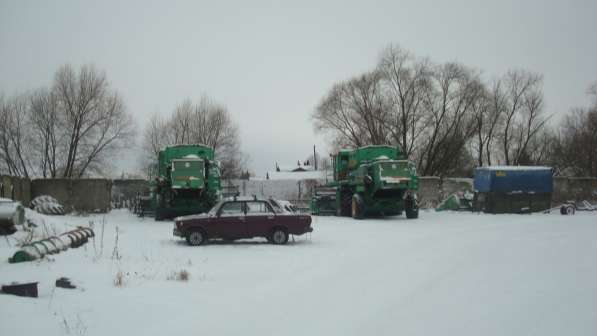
<point>204,122</point>
<point>71,129</point>
<point>447,119</point>
<point>77,126</point>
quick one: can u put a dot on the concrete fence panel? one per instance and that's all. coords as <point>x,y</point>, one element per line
<point>16,188</point>
<point>84,195</point>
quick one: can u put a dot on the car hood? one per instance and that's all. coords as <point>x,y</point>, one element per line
<point>190,217</point>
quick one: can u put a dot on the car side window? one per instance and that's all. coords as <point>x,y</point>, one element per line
<point>256,208</point>
<point>231,209</point>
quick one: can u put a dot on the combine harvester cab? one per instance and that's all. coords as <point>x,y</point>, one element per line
<point>188,181</point>
<point>373,180</point>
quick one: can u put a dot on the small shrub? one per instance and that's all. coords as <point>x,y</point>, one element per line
<point>182,275</point>
<point>119,280</point>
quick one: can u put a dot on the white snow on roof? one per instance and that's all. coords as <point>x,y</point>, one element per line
<point>291,168</point>
<point>515,168</point>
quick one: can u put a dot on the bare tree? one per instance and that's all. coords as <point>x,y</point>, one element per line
<point>180,124</point>
<point>407,80</point>
<point>14,139</point>
<point>95,119</point>
<point>355,111</point>
<point>205,122</point>
<point>46,128</point>
<point>156,136</point>
<point>522,120</point>
<point>455,90</point>
<point>576,150</point>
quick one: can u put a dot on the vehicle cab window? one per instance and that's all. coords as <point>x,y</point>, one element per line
<point>256,208</point>
<point>231,209</point>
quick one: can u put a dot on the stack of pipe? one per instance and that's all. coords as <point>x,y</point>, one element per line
<point>55,244</point>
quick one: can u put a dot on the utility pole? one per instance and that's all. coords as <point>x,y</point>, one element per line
<point>315,157</point>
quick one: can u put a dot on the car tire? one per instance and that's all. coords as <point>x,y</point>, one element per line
<point>570,210</point>
<point>279,236</point>
<point>196,238</point>
<point>411,208</point>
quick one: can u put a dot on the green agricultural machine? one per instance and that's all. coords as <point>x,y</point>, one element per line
<point>187,182</point>
<point>371,180</point>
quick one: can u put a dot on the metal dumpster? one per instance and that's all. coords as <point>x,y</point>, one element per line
<point>513,189</point>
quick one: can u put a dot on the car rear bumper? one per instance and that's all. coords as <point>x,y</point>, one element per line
<point>301,232</point>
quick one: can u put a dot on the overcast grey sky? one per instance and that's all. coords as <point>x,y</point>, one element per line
<point>270,62</point>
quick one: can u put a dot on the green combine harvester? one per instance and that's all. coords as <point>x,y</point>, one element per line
<point>371,180</point>
<point>187,182</point>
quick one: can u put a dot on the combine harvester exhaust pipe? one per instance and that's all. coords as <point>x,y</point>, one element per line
<point>52,245</point>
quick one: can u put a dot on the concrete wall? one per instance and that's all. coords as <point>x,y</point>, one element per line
<point>84,195</point>
<point>15,188</point>
<point>124,192</point>
<point>90,195</point>
<point>433,189</point>
<point>429,191</point>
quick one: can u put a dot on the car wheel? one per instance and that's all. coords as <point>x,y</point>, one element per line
<point>196,238</point>
<point>279,236</point>
<point>411,208</point>
<point>570,210</point>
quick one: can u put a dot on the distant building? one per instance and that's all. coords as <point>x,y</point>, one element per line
<point>296,172</point>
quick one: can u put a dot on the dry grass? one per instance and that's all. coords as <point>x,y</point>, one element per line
<point>182,275</point>
<point>119,280</point>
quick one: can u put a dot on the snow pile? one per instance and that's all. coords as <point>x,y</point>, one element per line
<point>47,205</point>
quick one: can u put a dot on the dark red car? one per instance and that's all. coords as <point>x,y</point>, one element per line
<point>243,218</point>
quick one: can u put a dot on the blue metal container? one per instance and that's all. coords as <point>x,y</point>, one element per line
<point>513,179</point>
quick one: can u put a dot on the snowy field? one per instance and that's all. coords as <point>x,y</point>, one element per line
<point>443,274</point>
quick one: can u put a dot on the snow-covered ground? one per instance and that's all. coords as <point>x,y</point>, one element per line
<point>443,274</point>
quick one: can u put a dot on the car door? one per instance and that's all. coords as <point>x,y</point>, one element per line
<point>260,218</point>
<point>230,221</point>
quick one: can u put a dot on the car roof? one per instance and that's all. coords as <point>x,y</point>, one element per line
<point>243,199</point>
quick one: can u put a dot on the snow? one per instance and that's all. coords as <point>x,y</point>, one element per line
<point>444,274</point>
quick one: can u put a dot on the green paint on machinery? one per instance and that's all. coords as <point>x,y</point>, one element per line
<point>187,182</point>
<point>371,180</point>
